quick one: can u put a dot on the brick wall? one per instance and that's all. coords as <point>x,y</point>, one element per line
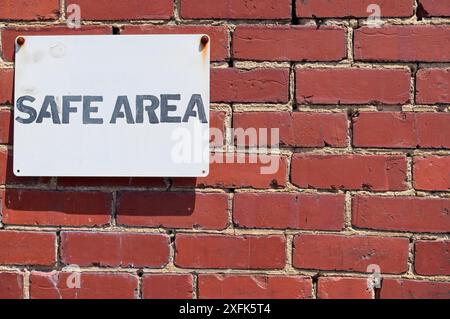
<point>364,169</point>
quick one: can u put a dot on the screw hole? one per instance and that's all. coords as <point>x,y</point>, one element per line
<point>18,171</point>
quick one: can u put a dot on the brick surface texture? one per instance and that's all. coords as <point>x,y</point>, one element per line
<point>363,172</point>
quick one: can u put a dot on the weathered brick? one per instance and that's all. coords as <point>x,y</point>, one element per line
<point>412,130</point>
<point>240,170</point>
<point>433,86</point>
<point>352,86</point>
<point>114,249</point>
<point>289,43</point>
<point>124,9</point>
<point>111,182</point>
<point>414,289</point>
<point>254,287</point>
<point>343,288</point>
<point>258,85</point>
<point>415,214</point>
<point>420,43</point>
<point>6,126</point>
<point>352,8</point>
<point>167,286</point>
<point>236,9</point>
<point>217,125</point>
<point>289,210</point>
<point>27,248</point>
<point>372,172</point>
<point>432,257</point>
<point>11,285</point>
<point>302,129</point>
<point>29,9</point>
<point>350,253</point>
<point>6,85</point>
<point>432,173</point>
<point>174,210</point>
<point>226,251</point>
<point>94,285</point>
<point>435,8</point>
<point>54,208</point>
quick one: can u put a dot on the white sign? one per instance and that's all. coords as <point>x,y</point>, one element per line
<point>114,105</point>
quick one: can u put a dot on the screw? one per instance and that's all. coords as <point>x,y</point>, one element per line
<point>20,41</point>
<point>205,40</point>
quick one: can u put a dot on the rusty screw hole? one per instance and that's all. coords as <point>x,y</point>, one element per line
<point>205,40</point>
<point>20,41</point>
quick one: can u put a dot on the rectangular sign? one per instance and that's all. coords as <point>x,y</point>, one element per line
<point>112,105</point>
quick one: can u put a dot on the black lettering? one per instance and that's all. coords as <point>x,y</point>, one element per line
<point>196,99</point>
<point>67,109</point>
<point>118,113</point>
<point>49,100</point>
<point>150,109</point>
<point>166,108</point>
<point>88,109</point>
<point>26,109</point>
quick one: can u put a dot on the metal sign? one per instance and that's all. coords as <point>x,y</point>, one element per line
<point>112,105</point>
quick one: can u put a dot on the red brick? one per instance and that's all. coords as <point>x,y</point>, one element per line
<point>436,8</point>
<point>29,9</point>
<point>414,289</point>
<point>374,129</point>
<point>289,210</point>
<point>111,182</point>
<point>343,288</point>
<point>167,286</point>
<point>114,249</point>
<point>27,248</point>
<point>236,9</point>
<point>94,285</point>
<point>433,257</point>
<point>6,126</point>
<point>257,85</point>
<point>433,86</point>
<point>173,210</point>
<point>217,122</point>
<point>422,43</point>
<point>289,43</point>
<point>6,85</point>
<point>425,130</point>
<point>226,251</point>
<point>266,171</point>
<point>254,287</point>
<point>52,208</point>
<point>352,8</point>
<point>124,9</point>
<point>4,165</point>
<point>7,174</point>
<point>9,35</point>
<point>218,34</point>
<point>432,173</point>
<point>414,214</point>
<point>351,172</point>
<point>350,253</point>
<point>353,86</point>
<point>11,285</point>
<point>295,129</point>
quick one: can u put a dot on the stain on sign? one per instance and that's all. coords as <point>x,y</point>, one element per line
<point>112,105</point>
